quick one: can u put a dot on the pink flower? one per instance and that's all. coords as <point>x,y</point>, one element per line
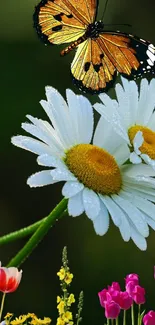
<point>103,297</point>
<point>136,292</point>
<point>132,277</point>
<point>149,318</point>
<point>139,295</point>
<point>9,279</point>
<point>125,300</point>
<point>154,272</point>
<point>130,286</point>
<point>114,286</point>
<point>112,309</point>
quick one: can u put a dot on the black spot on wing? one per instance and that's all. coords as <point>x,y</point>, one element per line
<point>101,56</point>
<point>87,66</point>
<point>70,16</point>
<point>58,17</point>
<point>57,28</point>
<point>97,67</point>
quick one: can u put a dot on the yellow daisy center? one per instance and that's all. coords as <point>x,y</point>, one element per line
<point>148,146</point>
<point>95,168</point>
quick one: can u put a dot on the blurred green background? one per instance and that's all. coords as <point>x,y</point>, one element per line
<point>26,67</point>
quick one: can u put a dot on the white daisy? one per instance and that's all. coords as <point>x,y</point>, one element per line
<point>132,116</point>
<point>96,180</point>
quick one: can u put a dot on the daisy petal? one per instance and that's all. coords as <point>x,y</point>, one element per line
<point>125,229</point>
<point>134,158</point>
<point>72,188</point>
<point>134,215</point>
<point>91,203</point>
<point>32,145</point>
<point>145,193</point>
<point>138,141</point>
<point>137,170</point>
<point>138,239</point>
<point>150,222</point>
<point>142,102</point>
<point>115,212</point>
<point>148,160</point>
<point>41,179</point>
<point>151,123</point>
<point>110,113</point>
<point>101,223</point>
<point>104,131</point>
<point>141,203</point>
<point>75,205</point>
<point>59,115</point>
<point>82,116</point>
<point>122,154</point>
<point>50,161</point>
<point>62,175</point>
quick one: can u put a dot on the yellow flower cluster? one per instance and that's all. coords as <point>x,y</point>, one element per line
<point>23,319</point>
<point>65,316</point>
<point>65,276</point>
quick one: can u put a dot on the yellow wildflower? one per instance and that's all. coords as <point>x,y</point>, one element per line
<point>8,315</point>
<point>61,273</point>
<point>58,299</point>
<point>70,300</point>
<point>68,278</point>
<point>67,316</point>
<point>20,320</point>
<point>61,307</point>
<point>31,315</point>
<point>60,321</point>
<point>39,321</point>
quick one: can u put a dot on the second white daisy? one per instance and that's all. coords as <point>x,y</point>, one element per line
<point>132,116</point>
<point>96,180</point>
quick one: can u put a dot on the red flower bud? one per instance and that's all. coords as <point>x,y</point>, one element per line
<point>9,279</point>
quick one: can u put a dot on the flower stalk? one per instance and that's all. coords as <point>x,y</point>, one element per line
<point>2,305</point>
<point>39,234</point>
<point>24,232</point>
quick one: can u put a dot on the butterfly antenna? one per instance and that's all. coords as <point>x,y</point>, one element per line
<point>105,7</point>
<point>118,25</point>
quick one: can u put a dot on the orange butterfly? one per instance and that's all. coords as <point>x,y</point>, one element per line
<point>100,54</point>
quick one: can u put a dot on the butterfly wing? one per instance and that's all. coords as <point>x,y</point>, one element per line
<point>92,71</point>
<point>97,61</point>
<point>63,21</point>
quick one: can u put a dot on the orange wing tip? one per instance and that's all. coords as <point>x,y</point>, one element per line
<point>79,84</point>
<point>36,25</point>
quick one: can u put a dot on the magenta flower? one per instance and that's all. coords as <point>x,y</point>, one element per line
<point>103,297</point>
<point>154,271</point>
<point>125,300</point>
<point>114,286</point>
<point>132,277</point>
<point>139,295</point>
<point>9,279</point>
<point>112,309</point>
<point>149,318</point>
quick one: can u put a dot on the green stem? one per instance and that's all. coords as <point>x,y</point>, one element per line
<point>39,234</point>
<point>132,314</point>
<point>2,305</point>
<point>108,321</point>
<point>117,321</point>
<point>138,321</point>
<point>24,232</point>
<point>124,317</point>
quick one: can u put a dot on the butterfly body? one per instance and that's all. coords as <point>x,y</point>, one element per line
<point>100,54</point>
